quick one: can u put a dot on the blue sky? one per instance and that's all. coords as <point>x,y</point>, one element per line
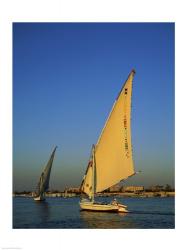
<point>66,77</point>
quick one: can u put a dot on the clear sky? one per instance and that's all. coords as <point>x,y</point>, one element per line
<point>66,77</point>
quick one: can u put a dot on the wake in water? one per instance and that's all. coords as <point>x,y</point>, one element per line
<point>153,213</point>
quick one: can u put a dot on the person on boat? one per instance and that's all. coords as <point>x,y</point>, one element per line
<point>114,202</point>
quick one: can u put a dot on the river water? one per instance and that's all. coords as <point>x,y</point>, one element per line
<point>156,212</point>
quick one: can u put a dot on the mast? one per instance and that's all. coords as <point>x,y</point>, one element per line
<point>93,172</point>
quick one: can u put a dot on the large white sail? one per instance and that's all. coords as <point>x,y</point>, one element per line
<point>113,153</point>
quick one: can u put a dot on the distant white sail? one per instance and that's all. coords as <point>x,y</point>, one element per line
<point>113,153</point>
<point>43,183</point>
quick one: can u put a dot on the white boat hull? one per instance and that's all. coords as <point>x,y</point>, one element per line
<point>90,206</point>
<point>39,198</point>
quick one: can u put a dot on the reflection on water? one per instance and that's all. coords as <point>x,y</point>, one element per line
<point>105,220</point>
<point>43,210</point>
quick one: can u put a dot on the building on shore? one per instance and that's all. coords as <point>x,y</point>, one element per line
<point>114,189</point>
<point>123,189</point>
<point>132,189</point>
<point>156,188</point>
<point>75,190</point>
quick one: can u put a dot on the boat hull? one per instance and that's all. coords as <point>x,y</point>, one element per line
<point>39,198</point>
<point>97,207</point>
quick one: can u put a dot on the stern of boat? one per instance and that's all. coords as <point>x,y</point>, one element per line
<point>39,198</point>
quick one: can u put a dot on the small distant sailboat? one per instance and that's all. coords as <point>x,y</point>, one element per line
<point>111,158</point>
<point>43,183</point>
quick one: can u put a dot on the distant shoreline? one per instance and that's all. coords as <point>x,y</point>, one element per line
<point>119,194</point>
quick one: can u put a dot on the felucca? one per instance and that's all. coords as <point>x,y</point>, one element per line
<point>111,159</point>
<point>43,183</point>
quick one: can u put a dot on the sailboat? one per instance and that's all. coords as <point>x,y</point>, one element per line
<point>111,158</point>
<point>43,183</point>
